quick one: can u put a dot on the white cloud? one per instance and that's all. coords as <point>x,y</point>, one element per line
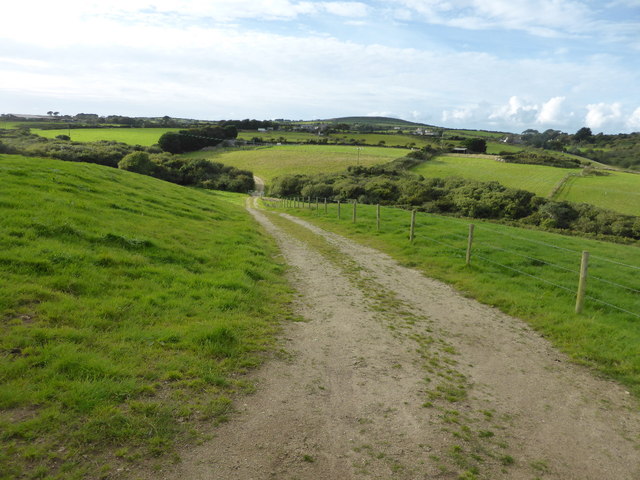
<point>551,112</point>
<point>459,115</point>
<point>516,112</point>
<point>603,114</point>
<point>345,9</point>
<point>633,122</point>
<point>538,17</point>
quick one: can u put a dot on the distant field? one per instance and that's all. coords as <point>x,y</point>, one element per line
<point>9,125</point>
<point>391,140</point>
<point>292,137</point>
<point>534,178</point>
<point>269,162</point>
<point>474,133</point>
<point>373,139</point>
<point>131,136</point>
<point>619,191</point>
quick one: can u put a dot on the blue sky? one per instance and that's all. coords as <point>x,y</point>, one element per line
<point>490,64</point>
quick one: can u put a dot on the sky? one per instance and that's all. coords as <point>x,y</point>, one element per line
<point>505,65</point>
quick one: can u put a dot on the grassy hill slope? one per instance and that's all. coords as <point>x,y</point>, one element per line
<point>269,162</point>
<point>616,191</point>
<point>128,306</point>
<point>534,178</point>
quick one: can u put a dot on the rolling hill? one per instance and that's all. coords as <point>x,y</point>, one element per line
<point>128,306</point>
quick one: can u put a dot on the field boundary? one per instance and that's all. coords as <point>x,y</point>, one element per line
<point>470,247</point>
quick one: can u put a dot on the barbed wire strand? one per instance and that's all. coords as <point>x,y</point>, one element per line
<point>441,243</point>
<point>560,267</point>
<point>527,274</point>
<point>613,283</point>
<point>546,244</point>
<point>528,257</point>
<point>612,305</point>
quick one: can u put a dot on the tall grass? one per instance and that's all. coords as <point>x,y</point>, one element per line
<point>529,274</point>
<point>128,309</point>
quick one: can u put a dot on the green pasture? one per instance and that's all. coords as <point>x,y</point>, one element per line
<point>530,274</point>
<point>9,125</point>
<point>474,134</point>
<point>534,178</point>
<point>373,139</point>
<point>390,140</point>
<point>129,309</point>
<point>275,136</point>
<point>269,162</point>
<point>617,191</point>
<point>131,136</point>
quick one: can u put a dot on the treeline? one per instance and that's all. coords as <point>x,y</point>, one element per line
<point>145,160</point>
<point>392,184</point>
<point>193,172</point>
<point>196,138</point>
<point>249,124</point>
<point>622,150</point>
<point>540,159</point>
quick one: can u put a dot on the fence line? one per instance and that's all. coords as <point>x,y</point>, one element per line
<point>546,244</point>
<point>483,257</point>
<point>528,257</point>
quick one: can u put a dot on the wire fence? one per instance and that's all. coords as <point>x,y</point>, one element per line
<point>610,283</point>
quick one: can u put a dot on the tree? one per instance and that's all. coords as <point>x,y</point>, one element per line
<point>138,162</point>
<point>476,145</point>
<point>583,135</point>
<point>170,142</point>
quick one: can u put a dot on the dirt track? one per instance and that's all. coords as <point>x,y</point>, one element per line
<point>394,375</point>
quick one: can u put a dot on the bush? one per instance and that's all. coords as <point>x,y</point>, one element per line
<point>138,162</point>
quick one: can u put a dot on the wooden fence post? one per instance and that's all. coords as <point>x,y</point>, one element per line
<point>309,199</point>
<point>470,243</point>
<point>378,217</point>
<point>582,283</point>
<point>355,208</point>
<point>412,228</point>
<point>325,205</point>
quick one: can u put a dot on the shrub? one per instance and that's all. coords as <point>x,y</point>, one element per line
<point>138,162</point>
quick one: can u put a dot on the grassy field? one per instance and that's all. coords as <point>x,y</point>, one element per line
<point>475,134</point>
<point>618,191</point>
<point>131,136</point>
<point>529,274</point>
<point>534,178</point>
<point>269,162</point>
<point>128,308</point>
